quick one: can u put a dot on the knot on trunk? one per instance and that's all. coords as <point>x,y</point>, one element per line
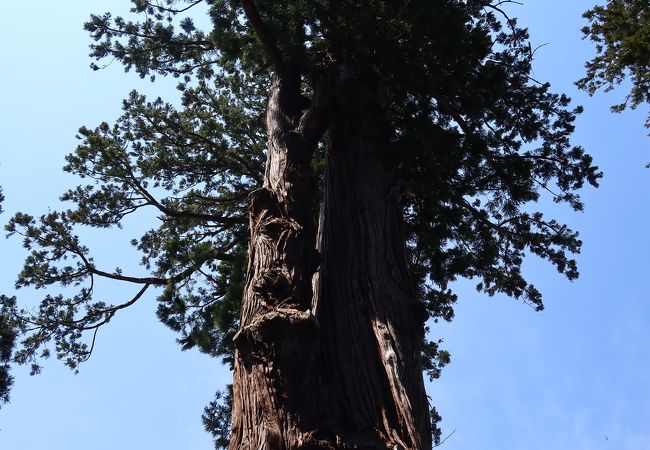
<point>268,327</point>
<point>262,200</point>
<point>278,228</point>
<point>274,286</point>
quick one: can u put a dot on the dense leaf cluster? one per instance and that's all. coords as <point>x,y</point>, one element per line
<point>8,332</point>
<point>477,141</point>
<point>621,31</point>
<point>7,338</point>
<point>217,417</point>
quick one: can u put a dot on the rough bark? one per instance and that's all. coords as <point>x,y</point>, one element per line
<point>371,326</point>
<point>274,345</point>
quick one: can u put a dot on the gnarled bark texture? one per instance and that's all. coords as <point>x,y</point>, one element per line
<point>274,345</point>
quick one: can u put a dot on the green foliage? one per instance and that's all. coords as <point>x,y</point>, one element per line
<point>8,334</point>
<point>7,338</point>
<point>435,425</point>
<point>217,417</point>
<point>434,359</point>
<point>621,31</point>
<point>477,141</point>
<point>208,324</point>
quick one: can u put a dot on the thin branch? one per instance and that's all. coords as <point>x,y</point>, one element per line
<point>496,7</point>
<point>92,346</point>
<point>200,44</point>
<point>446,107</point>
<point>172,10</point>
<point>482,217</point>
<point>532,53</point>
<point>113,310</point>
<point>251,172</point>
<point>154,280</point>
<point>173,213</point>
<point>443,441</point>
<point>546,188</point>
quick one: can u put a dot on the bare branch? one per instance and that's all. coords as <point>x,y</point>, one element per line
<point>175,11</point>
<point>496,7</point>
<point>443,441</point>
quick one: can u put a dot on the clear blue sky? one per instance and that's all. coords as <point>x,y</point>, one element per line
<point>576,376</point>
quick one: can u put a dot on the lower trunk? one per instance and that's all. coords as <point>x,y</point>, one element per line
<point>371,326</point>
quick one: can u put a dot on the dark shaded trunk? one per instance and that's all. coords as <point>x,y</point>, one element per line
<point>337,367</point>
<point>371,326</point>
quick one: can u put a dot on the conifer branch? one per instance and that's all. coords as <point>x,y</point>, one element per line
<point>264,35</point>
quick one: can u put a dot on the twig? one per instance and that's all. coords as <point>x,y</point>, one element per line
<point>443,441</point>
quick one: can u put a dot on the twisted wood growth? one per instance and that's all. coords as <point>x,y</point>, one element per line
<point>276,341</point>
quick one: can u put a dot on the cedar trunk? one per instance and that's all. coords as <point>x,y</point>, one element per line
<point>337,366</point>
<point>275,343</point>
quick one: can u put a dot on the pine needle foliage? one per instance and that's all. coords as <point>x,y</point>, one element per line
<point>620,31</point>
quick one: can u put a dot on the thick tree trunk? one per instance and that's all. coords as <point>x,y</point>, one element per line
<point>337,368</point>
<point>371,326</point>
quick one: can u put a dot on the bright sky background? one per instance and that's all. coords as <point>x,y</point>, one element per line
<point>576,376</point>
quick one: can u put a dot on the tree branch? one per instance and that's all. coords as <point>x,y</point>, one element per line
<point>443,441</point>
<point>496,7</point>
<point>151,200</point>
<point>264,35</point>
<point>153,280</point>
<point>315,119</point>
<point>175,11</point>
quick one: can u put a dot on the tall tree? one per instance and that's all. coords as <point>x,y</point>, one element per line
<point>621,31</point>
<point>369,154</point>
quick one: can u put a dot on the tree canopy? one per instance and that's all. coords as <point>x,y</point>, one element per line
<point>621,31</point>
<point>475,140</point>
